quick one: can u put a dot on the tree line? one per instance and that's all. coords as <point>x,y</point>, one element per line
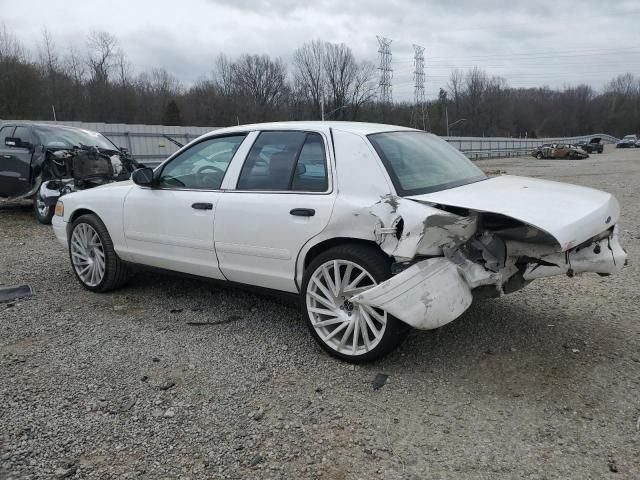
<point>97,84</point>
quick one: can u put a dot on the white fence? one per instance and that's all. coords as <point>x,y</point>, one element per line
<point>149,143</point>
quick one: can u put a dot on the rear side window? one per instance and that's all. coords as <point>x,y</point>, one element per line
<point>283,161</point>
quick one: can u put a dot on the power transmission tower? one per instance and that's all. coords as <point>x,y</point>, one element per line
<point>418,113</point>
<point>386,72</point>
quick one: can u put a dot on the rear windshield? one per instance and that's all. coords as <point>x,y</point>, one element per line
<point>56,137</point>
<point>419,162</point>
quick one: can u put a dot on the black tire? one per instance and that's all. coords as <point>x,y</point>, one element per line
<point>539,156</point>
<point>42,213</point>
<point>378,265</point>
<point>116,271</point>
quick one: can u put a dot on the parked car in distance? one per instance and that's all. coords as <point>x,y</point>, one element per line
<point>559,150</point>
<point>45,161</point>
<point>593,145</point>
<point>628,141</point>
<point>376,228</point>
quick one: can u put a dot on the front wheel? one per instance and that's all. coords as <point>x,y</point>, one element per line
<point>539,156</point>
<point>43,212</point>
<point>356,333</point>
<point>93,259</point>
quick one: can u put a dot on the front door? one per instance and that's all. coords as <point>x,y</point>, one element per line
<point>15,161</point>
<point>283,197</point>
<point>172,225</point>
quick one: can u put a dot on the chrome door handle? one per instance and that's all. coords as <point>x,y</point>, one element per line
<point>7,156</point>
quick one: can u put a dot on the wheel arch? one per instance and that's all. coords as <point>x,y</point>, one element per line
<point>313,249</point>
<point>77,213</point>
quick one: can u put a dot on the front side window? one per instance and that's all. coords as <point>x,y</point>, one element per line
<point>419,162</point>
<point>201,167</point>
<point>282,161</point>
<point>24,134</point>
<point>5,132</point>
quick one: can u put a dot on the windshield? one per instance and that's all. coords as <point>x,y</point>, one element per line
<point>56,137</point>
<point>419,162</point>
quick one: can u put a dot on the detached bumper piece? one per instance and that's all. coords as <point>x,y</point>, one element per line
<point>426,295</point>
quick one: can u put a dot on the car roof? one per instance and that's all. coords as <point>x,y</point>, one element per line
<point>21,123</point>
<point>360,128</point>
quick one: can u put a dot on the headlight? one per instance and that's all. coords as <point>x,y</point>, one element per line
<point>59,209</point>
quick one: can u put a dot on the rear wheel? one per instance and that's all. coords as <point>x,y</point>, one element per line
<point>93,259</point>
<point>44,213</point>
<point>353,332</point>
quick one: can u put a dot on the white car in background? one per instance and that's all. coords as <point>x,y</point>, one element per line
<point>377,227</point>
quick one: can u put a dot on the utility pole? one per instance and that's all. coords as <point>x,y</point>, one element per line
<point>386,72</point>
<point>418,89</point>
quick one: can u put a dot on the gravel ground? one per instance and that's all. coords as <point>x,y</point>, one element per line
<point>541,384</point>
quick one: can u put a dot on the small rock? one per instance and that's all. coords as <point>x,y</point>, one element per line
<point>144,378</point>
<point>170,413</point>
<point>258,414</point>
<point>285,347</point>
<point>155,359</point>
<point>175,310</point>
<point>613,468</point>
<point>167,385</point>
<point>256,460</point>
<point>64,472</point>
<point>127,404</point>
<point>379,380</point>
<point>119,308</point>
<point>575,350</point>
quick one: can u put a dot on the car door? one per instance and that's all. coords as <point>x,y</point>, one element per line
<point>15,160</point>
<point>171,226</point>
<point>283,196</point>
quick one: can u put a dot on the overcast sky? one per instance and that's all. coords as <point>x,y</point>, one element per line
<point>529,43</point>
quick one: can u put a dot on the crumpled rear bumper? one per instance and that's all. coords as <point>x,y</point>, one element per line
<point>436,291</point>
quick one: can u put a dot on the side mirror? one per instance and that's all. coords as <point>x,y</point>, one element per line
<point>124,150</point>
<point>16,143</point>
<point>143,177</point>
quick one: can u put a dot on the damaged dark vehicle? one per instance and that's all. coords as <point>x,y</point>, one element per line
<point>44,162</point>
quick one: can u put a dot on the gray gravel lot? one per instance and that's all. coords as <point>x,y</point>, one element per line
<point>541,384</point>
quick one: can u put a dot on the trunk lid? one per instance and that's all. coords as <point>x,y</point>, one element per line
<point>569,213</point>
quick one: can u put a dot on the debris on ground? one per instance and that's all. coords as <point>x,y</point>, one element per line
<point>10,294</point>
<point>380,380</point>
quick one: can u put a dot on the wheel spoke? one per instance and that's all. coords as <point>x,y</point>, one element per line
<point>356,281</point>
<point>326,323</point>
<point>324,291</point>
<point>380,318</point>
<point>321,299</point>
<point>365,334</point>
<point>347,332</point>
<point>345,278</point>
<point>328,280</point>
<point>323,311</point>
<point>336,331</point>
<point>367,318</point>
<point>356,331</point>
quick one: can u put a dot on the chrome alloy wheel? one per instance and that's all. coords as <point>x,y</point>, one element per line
<point>347,327</point>
<point>87,254</point>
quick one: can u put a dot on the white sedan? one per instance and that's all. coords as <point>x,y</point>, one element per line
<point>377,228</point>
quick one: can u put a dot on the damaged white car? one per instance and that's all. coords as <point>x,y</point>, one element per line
<point>375,227</point>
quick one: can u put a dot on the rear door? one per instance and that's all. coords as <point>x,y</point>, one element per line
<point>15,161</point>
<point>283,196</point>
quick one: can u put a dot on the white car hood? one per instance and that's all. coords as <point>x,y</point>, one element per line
<point>569,213</point>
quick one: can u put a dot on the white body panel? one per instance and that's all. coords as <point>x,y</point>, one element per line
<point>570,213</point>
<point>161,229</point>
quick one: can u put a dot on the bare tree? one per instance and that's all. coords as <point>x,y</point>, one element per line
<point>102,50</point>
<point>260,78</point>
<point>223,75</point>
<point>309,73</point>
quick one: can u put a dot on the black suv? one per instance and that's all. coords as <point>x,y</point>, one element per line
<point>44,162</point>
<point>593,145</point>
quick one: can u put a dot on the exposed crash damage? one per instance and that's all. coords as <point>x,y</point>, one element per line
<point>78,168</point>
<point>449,253</point>
<point>44,162</point>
